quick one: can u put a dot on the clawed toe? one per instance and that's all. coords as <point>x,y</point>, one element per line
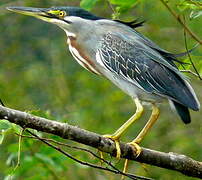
<point>117,144</point>
<point>135,145</point>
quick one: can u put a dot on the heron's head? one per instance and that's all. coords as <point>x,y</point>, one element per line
<point>64,17</point>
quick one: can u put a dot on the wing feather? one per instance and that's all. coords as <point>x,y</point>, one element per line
<point>145,68</point>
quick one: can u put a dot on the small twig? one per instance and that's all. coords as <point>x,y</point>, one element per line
<point>189,71</point>
<point>19,150</point>
<point>194,36</point>
<point>115,14</point>
<point>185,41</point>
<point>86,163</point>
<point>1,102</point>
<point>73,147</point>
<point>196,3</point>
<point>112,8</point>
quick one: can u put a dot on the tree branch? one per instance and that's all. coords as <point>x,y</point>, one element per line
<point>173,161</point>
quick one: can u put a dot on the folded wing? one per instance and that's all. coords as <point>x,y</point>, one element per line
<point>146,68</point>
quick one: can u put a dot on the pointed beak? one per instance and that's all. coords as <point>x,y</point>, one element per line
<point>40,13</point>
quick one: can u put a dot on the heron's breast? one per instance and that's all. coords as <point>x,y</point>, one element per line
<point>81,56</point>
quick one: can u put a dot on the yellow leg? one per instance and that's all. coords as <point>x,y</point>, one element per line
<point>115,137</point>
<point>154,116</point>
<point>125,169</point>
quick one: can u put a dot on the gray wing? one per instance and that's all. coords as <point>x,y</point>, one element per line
<point>170,57</point>
<point>145,68</point>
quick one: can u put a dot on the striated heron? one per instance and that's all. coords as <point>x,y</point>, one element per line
<point>115,50</point>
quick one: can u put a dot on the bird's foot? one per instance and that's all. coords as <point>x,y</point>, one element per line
<point>117,144</point>
<point>138,149</point>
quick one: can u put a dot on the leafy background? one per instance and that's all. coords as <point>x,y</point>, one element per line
<point>38,75</point>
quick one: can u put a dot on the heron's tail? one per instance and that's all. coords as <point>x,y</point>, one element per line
<point>183,112</point>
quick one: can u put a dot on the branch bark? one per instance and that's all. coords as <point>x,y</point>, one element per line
<point>172,161</point>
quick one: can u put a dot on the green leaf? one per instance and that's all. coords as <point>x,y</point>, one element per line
<point>4,124</point>
<point>195,14</point>
<point>122,6</point>
<point>4,127</point>
<point>187,4</point>
<point>87,4</point>
<point>16,128</point>
<point>128,3</point>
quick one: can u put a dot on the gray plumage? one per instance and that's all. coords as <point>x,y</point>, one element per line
<point>136,65</point>
<point>128,59</point>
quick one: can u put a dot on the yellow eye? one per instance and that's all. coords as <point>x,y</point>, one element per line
<point>62,13</point>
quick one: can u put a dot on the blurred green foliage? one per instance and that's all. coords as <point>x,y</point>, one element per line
<point>38,75</point>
